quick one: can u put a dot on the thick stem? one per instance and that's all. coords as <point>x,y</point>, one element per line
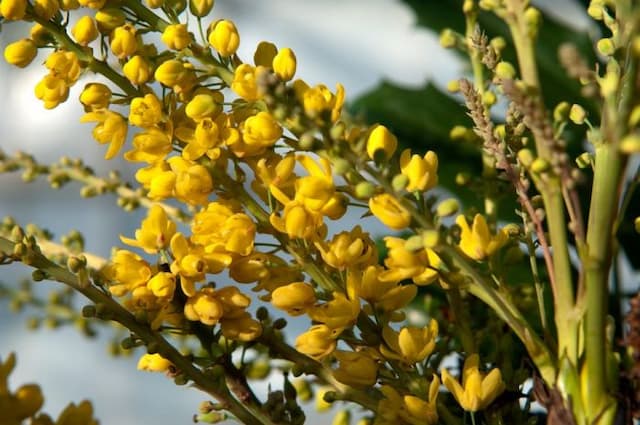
<point>564,299</point>
<point>602,214</point>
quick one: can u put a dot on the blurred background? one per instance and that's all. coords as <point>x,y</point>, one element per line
<point>359,43</point>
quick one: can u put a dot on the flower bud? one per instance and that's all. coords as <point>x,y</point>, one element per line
<point>264,54</point>
<point>584,160</point>
<point>21,52</point>
<point>46,8</point>
<point>540,165</point>
<point>448,38</point>
<point>52,91</point>
<point>577,114</point>
<point>630,144</point>
<point>13,10</point>
<point>389,211</point>
<point>108,19</point>
<point>284,64</point>
<point>95,96</point>
<point>606,46</point>
<point>381,139</point>
<point>364,190</point>
<point>561,112</point>
<point>123,41</point>
<point>85,30</point>
<point>200,8</point>
<point>525,156</point>
<point>176,36</point>
<point>447,207</point>
<point>505,70</point>
<point>137,70</point>
<point>93,4</point>
<point>224,37</point>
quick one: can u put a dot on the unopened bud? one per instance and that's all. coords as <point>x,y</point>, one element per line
<point>364,190</point>
<point>447,207</point>
<point>505,70</point>
<point>399,182</point>
<point>577,114</point>
<point>584,160</point>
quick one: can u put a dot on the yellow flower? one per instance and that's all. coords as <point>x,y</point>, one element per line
<point>200,8</point>
<point>45,8</point>
<point>109,18</point>
<point>221,228</point>
<point>123,41</point>
<point>477,241</point>
<point>224,37</point>
<point>126,271</point>
<point>145,112</point>
<point>204,140</point>
<point>349,249</point>
<point>95,96</point>
<point>21,52</point>
<point>410,345</point>
<point>205,105</point>
<point>264,54</point>
<point>176,36</point>
<point>52,91</point>
<point>69,4</point>
<point>318,342</point>
<point>245,81</point>
<point>193,183</point>
<point>65,65</point>
<point>150,146</point>
<point>13,10</point>
<point>421,172</point>
<point>261,130</point>
<point>284,64</point>
<point>85,30</point>
<point>420,266</point>
<point>173,73</point>
<point>355,369</point>
<point>154,363</point>
<point>28,400</point>
<point>381,139</point>
<point>191,262</point>
<point>204,306</point>
<point>387,295</point>
<point>342,311</point>
<point>418,411</point>
<point>296,221</point>
<point>162,285</point>
<point>137,70</point>
<point>93,4</point>
<point>477,390</point>
<point>241,328</point>
<point>317,189</point>
<point>295,298</point>
<point>389,211</point>
<point>82,414</point>
<point>111,128</point>
<point>319,100</point>
<point>155,232</point>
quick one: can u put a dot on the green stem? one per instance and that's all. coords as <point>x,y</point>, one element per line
<point>602,214</point>
<point>462,320</point>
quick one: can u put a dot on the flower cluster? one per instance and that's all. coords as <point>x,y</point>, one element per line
<point>262,161</point>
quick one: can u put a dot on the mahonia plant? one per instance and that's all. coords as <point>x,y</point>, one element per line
<point>241,165</point>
